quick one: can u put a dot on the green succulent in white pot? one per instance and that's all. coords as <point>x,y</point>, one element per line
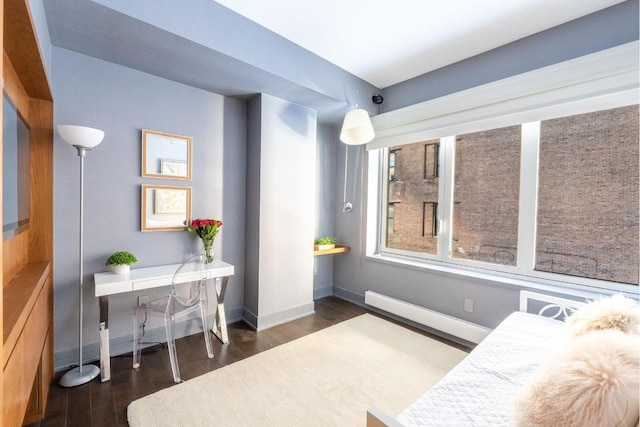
<point>120,262</point>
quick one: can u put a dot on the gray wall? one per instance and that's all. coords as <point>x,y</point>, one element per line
<point>42,32</point>
<point>443,292</point>
<point>327,174</point>
<point>252,244</point>
<point>121,102</point>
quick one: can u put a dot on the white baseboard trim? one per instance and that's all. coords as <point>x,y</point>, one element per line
<point>275,319</point>
<point>450,325</point>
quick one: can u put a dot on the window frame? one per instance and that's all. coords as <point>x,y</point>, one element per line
<point>526,100</point>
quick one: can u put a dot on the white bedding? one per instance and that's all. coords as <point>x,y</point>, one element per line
<point>472,395</point>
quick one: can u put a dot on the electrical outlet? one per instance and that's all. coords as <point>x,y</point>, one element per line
<point>468,305</point>
<point>143,300</point>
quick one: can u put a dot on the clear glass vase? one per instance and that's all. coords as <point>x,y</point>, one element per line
<point>208,250</point>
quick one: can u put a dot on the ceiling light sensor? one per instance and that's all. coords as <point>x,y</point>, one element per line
<point>377,99</point>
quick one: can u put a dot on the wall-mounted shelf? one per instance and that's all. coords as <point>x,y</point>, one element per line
<point>337,250</point>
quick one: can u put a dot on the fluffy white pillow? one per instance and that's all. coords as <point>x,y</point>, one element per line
<point>615,312</point>
<point>592,382</point>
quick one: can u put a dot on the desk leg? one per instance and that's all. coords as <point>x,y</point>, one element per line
<point>105,360</point>
<point>219,327</point>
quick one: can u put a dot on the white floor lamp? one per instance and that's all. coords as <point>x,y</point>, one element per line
<point>84,139</point>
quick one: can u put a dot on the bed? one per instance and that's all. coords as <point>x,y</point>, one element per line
<point>480,391</point>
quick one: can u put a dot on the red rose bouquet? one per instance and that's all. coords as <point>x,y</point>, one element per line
<point>206,229</point>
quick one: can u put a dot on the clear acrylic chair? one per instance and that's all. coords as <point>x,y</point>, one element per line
<point>188,293</point>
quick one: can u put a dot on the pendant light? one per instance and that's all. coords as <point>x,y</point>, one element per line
<point>357,128</point>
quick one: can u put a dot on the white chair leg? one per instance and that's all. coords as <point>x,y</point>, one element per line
<point>205,328</point>
<point>137,317</point>
<point>169,323</point>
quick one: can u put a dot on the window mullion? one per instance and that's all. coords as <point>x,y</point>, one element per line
<point>383,178</point>
<point>528,204</point>
<point>445,214</point>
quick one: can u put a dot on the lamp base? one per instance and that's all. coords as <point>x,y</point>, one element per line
<point>76,377</point>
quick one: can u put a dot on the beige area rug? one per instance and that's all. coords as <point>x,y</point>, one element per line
<point>328,378</point>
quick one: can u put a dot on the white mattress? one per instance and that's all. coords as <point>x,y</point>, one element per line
<point>481,389</point>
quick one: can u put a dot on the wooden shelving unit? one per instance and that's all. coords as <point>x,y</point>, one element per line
<point>26,259</point>
<point>339,249</point>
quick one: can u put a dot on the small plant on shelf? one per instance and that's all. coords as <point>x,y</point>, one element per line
<point>120,261</point>
<point>324,243</point>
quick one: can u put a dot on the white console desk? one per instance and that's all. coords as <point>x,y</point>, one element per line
<point>153,277</point>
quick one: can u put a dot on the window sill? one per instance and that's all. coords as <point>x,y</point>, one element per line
<point>502,279</point>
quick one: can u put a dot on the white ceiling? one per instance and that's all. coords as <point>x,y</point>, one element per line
<point>385,42</point>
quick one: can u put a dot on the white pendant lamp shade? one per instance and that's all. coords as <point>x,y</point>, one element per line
<point>357,128</point>
<point>81,136</point>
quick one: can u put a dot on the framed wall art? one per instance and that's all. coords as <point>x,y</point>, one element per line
<point>166,155</point>
<point>165,207</point>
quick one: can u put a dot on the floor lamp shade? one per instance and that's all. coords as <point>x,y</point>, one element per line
<point>83,139</point>
<point>80,136</point>
<point>357,128</point>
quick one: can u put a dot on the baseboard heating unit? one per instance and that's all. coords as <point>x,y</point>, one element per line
<point>450,325</point>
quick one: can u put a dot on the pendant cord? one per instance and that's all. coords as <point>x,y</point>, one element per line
<point>346,207</point>
<point>346,162</point>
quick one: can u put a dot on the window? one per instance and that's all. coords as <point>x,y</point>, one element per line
<point>390,230</point>
<point>392,165</point>
<point>588,196</point>
<point>531,177</point>
<point>586,222</point>
<point>430,219</point>
<point>431,162</point>
<point>486,195</point>
<point>412,199</point>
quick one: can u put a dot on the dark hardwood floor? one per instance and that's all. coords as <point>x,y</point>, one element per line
<point>105,404</point>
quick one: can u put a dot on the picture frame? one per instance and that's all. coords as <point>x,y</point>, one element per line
<point>164,207</point>
<point>173,168</point>
<point>166,155</point>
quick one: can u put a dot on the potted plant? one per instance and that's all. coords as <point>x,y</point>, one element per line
<point>120,262</point>
<point>324,243</point>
